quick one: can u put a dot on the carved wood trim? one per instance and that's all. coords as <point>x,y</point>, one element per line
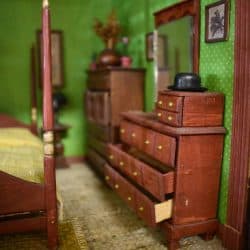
<point>179,10</point>
<point>240,149</point>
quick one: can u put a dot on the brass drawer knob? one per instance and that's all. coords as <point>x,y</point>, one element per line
<point>147,142</point>
<point>107,178</point>
<point>159,147</point>
<point>129,198</point>
<point>170,104</point>
<point>121,163</point>
<point>135,173</point>
<point>141,209</point>
<point>160,102</point>
<point>116,186</point>
<point>170,118</point>
<point>122,130</point>
<point>159,114</point>
<point>111,157</point>
<point>133,135</point>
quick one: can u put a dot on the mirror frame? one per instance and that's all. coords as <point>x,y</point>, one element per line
<point>177,11</point>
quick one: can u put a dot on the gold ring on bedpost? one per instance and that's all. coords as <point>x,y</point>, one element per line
<point>34,115</point>
<point>45,3</point>
<point>48,140</point>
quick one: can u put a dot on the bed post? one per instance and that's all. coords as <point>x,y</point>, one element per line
<point>33,91</point>
<point>48,137</point>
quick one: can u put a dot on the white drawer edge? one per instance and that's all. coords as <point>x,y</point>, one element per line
<point>163,210</point>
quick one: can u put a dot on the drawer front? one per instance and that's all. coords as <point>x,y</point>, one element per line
<point>170,103</point>
<point>150,179</point>
<point>170,118</point>
<point>96,160</point>
<point>98,80</point>
<point>152,212</point>
<point>135,170</point>
<point>98,146</point>
<point>126,191</point>
<point>148,142</point>
<point>109,175</point>
<point>131,134</point>
<point>164,149</point>
<point>125,132</point>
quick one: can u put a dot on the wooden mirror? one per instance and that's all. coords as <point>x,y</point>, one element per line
<point>176,41</point>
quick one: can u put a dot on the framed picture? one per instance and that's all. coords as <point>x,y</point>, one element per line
<point>162,45</point>
<point>57,57</point>
<point>149,43</point>
<point>217,20</point>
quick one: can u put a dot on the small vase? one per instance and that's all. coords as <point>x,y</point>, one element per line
<point>109,57</point>
<point>126,61</point>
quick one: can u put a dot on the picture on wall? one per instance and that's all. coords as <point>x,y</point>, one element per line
<point>149,46</point>
<point>56,56</point>
<point>217,19</point>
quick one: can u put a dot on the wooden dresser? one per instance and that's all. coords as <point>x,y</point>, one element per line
<point>170,175</point>
<point>109,92</point>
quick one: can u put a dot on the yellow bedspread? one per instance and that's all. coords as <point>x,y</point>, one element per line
<point>21,154</point>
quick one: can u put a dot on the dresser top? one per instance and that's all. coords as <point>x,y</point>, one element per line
<point>150,120</point>
<point>189,93</point>
<point>109,69</point>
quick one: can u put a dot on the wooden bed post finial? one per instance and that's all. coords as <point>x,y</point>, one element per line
<point>45,3</point>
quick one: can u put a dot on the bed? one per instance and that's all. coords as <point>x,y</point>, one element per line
<point>29,204</point>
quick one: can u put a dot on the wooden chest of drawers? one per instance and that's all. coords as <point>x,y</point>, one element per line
<point>168,175</point>
<point>109,92</point>
<point>190,109</point>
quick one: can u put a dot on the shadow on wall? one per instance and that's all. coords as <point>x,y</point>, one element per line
<point>212,80</point>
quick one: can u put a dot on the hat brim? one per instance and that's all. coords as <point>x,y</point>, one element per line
<point>201,89</point>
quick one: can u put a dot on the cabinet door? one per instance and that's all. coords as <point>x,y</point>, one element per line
<point>98,107</point>
<point>102,107</point>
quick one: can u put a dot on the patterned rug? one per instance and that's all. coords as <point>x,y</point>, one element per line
<point>96,218</point>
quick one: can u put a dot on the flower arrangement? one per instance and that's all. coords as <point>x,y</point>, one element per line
<point>110,31</point>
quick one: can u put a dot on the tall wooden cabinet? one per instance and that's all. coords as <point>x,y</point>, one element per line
<point>109,92</point>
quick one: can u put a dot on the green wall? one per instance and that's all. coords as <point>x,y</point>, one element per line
<point>19,19</point>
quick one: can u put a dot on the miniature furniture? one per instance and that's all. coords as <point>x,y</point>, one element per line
<point>60,131</point>
<point>109,92</point>
<point>169,174</point>
<point>25,205</point>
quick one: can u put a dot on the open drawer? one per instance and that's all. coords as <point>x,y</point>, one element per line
<point>157,182</point>
<point>151,211</point>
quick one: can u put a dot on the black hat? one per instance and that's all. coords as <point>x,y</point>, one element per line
<point>187,82</point>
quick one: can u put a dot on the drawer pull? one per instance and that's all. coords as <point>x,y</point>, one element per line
<point>116,186</point>
<point>147,142</point>
<point>133,135</point>
<point>141,208</point>
<point>121,163</point>
<point>159,147</point>
<point>111,157</point>
<point>129,198</point>
<point>107,178</point>
<point>160,102</point>
<point>170,118</point>
<point>170,104</point>
<point>159,114</point>
<point>135,173</point>
<point>122,131</point>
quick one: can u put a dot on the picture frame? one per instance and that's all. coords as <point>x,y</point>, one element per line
<point>217,21</point>
<point>149,46</point>
<point>162,53</point>
<point>56,60</point>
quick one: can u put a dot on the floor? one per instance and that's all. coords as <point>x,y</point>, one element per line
<point>94,217</point>
<point>106,222</point>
